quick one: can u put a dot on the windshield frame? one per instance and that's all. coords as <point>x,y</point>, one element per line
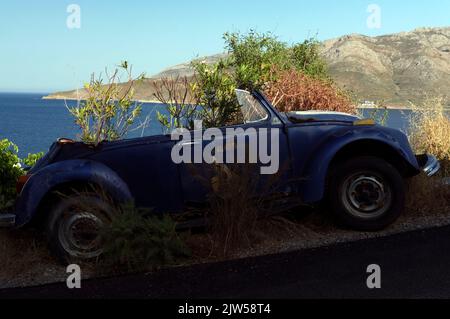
<point>261,102</point>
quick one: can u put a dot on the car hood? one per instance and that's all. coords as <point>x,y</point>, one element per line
<point>320,116</point>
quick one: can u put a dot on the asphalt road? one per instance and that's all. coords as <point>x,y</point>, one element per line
<point>413,265</point>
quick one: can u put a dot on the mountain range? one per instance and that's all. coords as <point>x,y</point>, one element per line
<point>399,69</point>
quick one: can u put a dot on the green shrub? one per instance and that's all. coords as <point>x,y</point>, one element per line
<point>253,56</point>
<point>256,62</point>
<point>32,159</point>
<point>306,58</point>
<point>10,171</point>
<point>108,111</point>
<point>214,93</point>
<point>141,241</point>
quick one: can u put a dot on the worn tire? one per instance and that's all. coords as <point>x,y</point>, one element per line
<point>366,193</point>
<point>73,227</point>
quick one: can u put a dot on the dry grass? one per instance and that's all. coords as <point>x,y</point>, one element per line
<point>265,234</point>
<point>430,134</point>
<point>431,131</point>
<point>240,203</point>
<point>232,211</point>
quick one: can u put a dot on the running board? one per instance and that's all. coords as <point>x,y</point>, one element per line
<point>7,220</point>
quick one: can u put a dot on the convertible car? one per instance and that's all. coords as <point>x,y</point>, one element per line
<point>356,166</point>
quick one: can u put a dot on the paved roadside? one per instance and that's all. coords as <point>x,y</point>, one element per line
<point>413,265</point>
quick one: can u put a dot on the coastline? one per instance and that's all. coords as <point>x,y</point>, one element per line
<point>62,98</point>
<point>388,107</point>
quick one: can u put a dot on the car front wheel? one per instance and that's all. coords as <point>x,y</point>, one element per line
<point>366,193</point>
<point>74,227</point>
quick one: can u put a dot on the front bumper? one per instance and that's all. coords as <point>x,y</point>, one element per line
<point>430,165</point>
<point>7,220</point>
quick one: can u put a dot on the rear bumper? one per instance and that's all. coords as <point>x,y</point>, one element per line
<point>7,220</point>
<point>429,164</point>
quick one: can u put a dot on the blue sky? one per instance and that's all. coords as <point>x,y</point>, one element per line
<point>39,53</point>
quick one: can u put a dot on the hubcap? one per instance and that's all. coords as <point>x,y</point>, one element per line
<point>79,235</point>
<point>366,195</point>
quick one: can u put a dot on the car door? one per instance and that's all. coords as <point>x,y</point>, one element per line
<point>260,141</point>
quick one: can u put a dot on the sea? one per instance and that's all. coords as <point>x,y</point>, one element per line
<point>33,124</point>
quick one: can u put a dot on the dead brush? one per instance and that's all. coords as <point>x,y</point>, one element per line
<point>240,205</point>
<point>232,211</point>
<point>430,133</point>
<point>292,90</point>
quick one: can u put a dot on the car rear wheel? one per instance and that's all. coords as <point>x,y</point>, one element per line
<point>366,193</point>
<point>74,227</point>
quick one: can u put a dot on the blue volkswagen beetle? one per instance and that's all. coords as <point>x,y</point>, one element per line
<point>355,165</point>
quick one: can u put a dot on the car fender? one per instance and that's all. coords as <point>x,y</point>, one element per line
<point>54,175</point>
<point>317,167</point>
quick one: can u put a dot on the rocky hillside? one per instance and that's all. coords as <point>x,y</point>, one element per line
<point>398,68</point>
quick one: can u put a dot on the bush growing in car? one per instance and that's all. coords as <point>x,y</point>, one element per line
<point>107,110</point>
